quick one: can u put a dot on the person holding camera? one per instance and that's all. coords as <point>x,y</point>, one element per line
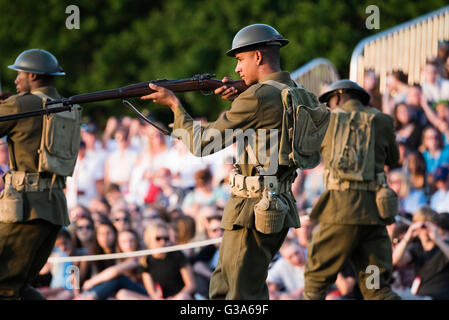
<point>429,254</point>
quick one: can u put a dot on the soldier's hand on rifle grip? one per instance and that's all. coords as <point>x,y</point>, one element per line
<point>227,92</point>
<point>162,96</point>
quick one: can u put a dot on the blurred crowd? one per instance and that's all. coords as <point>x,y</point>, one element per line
<point>134,188</point>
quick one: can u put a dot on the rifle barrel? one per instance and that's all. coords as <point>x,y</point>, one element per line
<point>35,113</point>
<point>196,83</point>
<point>142,89</point>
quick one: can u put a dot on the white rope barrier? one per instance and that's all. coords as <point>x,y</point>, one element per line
<point>122,255</point>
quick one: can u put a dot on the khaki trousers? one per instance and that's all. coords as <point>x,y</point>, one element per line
<point>242,268</point>
<point>368,247</point>
<point>24,250</point>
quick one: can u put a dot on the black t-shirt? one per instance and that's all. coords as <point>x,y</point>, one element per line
<point>166,272</point>
<point>433,269</point>
<point>205,255</point>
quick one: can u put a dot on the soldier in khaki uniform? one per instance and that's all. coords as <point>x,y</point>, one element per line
<point>245,253</point>
<point>33,206</point>
<point>350,226</point>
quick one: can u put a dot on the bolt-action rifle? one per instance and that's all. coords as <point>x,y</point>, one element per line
<point>204,82</point>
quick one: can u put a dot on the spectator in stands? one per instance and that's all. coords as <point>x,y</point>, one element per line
<point>434,87</point>
<point>113,195</point>
<point>205,261</point>
<point>120,276</point>
<point>171,196</point>
<point>440,199</point>
<point>150,214</point>
<point>107,236</point>
<point>120,162</point>
<point>313,185</point>
<point>153,194</point>
<point>137,138</point>
<point>100,205</point>
<point>63,283</point>
<point>439,118</point>
<point>203,219</point>
<point>286,277</point>
<point>154,155</point>
<point>203,194</point>
<point>403,153</point>
<point>371,85</point>
<point>415,169</point>
<point>433,150</point>
<point>121,218</point>
<point>184,227</point>
<point>86,244</point>
<point>403,275</point>
<point>304,234</point>
<point>86,182</point>
<point>429,255</point>
<point>395,91</point>
<point>442,58</point>
<point>183,165</point>
<point>107,140</point>
<point>166,275</point>
<point>94,152</point>
<point>407,127</point>
<point>413,100</point>
<point>346,285</point>
<point>76,213</point>
<point>410,199</point>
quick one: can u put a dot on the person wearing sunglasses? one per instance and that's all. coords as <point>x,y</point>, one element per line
<point>86,244</point>
<point>166,276</point>
<point>121,219</point>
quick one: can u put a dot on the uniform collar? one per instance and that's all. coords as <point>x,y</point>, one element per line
<point>281,76</point>
<point>49,91</point>
<point>353,105</point>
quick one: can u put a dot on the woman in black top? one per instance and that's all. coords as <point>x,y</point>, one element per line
<point>165,275</point>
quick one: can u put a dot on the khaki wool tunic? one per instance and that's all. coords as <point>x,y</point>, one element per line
<point>24,138</point>
<point>258,107</point>
<point>357,207</point>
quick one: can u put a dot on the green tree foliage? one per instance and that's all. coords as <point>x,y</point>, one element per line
<point>122,42</point>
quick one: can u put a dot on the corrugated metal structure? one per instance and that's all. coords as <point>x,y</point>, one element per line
<point>315,73</point>
<point>404,47</point>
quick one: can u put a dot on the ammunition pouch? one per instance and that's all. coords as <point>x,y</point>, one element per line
<point>32,182</point>
<point>18,182</point>
<point>11,205</point>
<point>271,210</point>
<point>253,186</point>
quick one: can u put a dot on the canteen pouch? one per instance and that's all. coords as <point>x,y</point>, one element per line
<point>270,213</point>
<point>11,205</point>
<point>387,202</point>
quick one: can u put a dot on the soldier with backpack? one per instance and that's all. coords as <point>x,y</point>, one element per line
<point>357,203</point>
<point>261,207</point>
<point>42,152</point>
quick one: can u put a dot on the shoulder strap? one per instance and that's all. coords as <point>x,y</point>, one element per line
<point>276,84</point>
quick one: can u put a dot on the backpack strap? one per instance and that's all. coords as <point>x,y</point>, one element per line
<point>287,109</point>
<point>276,84</point>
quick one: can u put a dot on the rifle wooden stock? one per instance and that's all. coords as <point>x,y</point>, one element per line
<point>196,83</point>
